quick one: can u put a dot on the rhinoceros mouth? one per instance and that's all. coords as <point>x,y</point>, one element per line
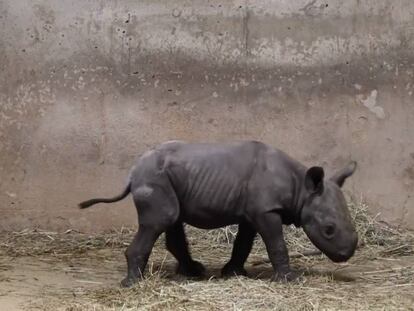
<point>343,255</point>
<point>340,257</point>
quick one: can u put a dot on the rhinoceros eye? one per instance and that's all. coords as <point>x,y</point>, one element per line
<point>329,231</point>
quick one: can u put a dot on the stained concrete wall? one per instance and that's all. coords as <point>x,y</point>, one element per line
<point>86,86</point>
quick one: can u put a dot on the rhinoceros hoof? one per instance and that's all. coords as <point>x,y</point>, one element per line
<point>194,269</point>
<point>230,270</point>
<point>290,276</point>
<point>129,282</point>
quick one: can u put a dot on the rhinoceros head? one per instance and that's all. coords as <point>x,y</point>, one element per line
<point>325,217</point>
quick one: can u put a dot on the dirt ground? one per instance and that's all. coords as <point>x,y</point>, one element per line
<point>44,283</point>
<point>30,283</point>
<point>73,272</point>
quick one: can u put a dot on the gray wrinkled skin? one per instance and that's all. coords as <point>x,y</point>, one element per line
<point>246,183</point>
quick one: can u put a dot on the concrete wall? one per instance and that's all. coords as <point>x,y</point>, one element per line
<point>86,86</point>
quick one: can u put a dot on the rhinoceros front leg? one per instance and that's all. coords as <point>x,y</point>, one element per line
<point>269,226</point>
<point>241,250</point>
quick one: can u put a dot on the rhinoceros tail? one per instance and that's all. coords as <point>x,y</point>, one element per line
<point>119,197</point>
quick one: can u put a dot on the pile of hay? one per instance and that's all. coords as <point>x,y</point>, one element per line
<point>326,286</point>
<point>40,242</point>
<point>375,237</point>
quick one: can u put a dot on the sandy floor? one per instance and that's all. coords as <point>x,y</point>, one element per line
<point>47,282</point>
<point>28,283</point>
<point>70,271</point>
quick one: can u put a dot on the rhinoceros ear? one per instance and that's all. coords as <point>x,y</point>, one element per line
<point>340,176</point>
<point>314,180</point>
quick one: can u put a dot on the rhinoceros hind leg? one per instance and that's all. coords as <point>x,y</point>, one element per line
<point>137,254</point>
<point>177,244</point>
<point>158,209</point>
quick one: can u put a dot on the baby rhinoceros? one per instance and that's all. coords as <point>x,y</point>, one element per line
<point>211,185</point>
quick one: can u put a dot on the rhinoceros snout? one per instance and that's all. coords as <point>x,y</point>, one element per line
<point>346,253</point>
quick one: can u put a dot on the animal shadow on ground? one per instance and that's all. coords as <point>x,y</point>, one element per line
<point>259,272</point>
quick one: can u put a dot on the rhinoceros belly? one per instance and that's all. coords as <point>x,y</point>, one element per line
<point>210,196</point>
